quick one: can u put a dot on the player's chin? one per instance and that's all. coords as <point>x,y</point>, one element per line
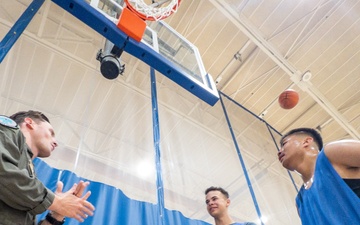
<point>212,212</point>
<point>284,164</point>
<point>44,154</point>
<point>287,166</point>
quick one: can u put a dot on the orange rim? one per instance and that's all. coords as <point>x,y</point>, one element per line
<point>145,17</point>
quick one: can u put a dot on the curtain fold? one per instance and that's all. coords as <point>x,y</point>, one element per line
<point>112,206</point>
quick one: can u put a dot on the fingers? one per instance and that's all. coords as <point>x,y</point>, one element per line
<point>59,187</point>
<point>80,209</point>
<point>72,189</point>
<point>86,210</point>
<point>86,196</point>
<point>79,218</point>
<point>89,208</point>
<point>81,188</point>
<point>76,204</point>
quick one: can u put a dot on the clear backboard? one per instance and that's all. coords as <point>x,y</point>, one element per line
<point>161,47</point>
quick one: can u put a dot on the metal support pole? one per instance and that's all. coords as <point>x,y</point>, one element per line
<point>14,33</point>
<point>156,134</point>
<point>241,161</point>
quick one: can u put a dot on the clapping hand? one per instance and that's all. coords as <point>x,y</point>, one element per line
<point>72,203</point>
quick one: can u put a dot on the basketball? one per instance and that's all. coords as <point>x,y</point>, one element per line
<point>288,99</point>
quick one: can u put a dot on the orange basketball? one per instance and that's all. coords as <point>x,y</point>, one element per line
<point>288,99</point>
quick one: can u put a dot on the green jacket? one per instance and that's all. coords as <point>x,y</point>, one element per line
<point>22,195</point>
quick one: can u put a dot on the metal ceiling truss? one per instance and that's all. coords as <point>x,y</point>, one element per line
<point>299,78</point>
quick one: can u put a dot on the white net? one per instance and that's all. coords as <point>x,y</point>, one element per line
<point>155,10</point>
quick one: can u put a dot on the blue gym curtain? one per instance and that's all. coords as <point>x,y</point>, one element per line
<point>112,206</point>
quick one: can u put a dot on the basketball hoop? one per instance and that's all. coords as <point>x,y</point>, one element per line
<point>154,11</point>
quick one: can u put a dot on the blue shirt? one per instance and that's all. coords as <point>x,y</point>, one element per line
<point>329,200</point>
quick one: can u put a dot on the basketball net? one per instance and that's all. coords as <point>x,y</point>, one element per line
<point>155,11</point>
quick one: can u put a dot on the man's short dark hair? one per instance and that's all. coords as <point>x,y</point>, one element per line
<point>309,131</point>
<point>222,190</point>
<point>19,117</point>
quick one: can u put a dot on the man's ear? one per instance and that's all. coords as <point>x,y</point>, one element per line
<point>228,202</point>
<point>308,141</point>
<point>29,123</point>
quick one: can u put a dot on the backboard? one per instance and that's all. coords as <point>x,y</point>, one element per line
<point>161,47</point>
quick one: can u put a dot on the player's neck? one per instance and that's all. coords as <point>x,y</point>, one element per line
<point>225,220</point>
<point>307,168</point>
<point>29,142</point>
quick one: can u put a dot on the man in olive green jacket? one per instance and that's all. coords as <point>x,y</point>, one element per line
<point>24,136</point>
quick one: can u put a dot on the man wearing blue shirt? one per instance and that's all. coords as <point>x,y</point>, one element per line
<point>331,175</point>
<point>217,203</point>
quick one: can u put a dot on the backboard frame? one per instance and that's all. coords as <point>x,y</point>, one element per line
<point>88,14</point>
